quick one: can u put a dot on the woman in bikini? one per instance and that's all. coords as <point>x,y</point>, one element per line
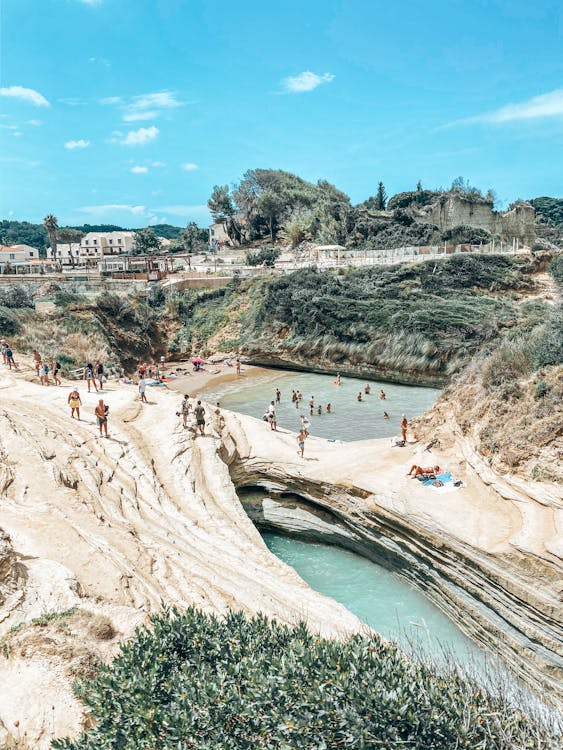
<point>75,402</point>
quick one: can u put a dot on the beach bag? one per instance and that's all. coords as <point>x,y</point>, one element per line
<point>437,483</point>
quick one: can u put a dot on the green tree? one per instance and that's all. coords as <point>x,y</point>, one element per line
<point>380,198</point>
<point>190,238</point>
<point>70,236</point>
<point>225,211</point>
<point>145,242</point>
<point>51,224</point>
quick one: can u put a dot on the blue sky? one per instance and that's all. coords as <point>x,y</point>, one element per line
<point>129,111</point>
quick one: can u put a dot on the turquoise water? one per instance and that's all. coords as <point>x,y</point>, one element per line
<point>349,420</point>
<point>380,598</point>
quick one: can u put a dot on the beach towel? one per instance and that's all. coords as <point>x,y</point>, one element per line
<point>445,478</point>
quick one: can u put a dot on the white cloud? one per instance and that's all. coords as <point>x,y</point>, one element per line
<point>35,123</point>
<point>139,170</point>
<point>157,164</point>
<point>91,2</point>
<point>140,136</point>
<point>26,95</point>
<point>306,81</point>
<point>150,114</point>
<point>71,145</point>
<point>144,106</point>
<point>103,61</point>
<point>544,105</point>
<point>189,166</point>
<point>112,208</point>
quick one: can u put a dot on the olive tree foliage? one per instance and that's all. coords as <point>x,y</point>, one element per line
<point>145,242</point>
<point>70,236</point>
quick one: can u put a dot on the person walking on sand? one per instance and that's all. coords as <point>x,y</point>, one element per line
<point>47,371</point>
<point>3,347</point>
<point>89,377</point>
<point>56,367</point>
<point>200,417</point>
<point>272,419</point>
<point>404,425</point>
<point>99,372</point>
<point>75,402</point>
<point>185,409</point>
<point>10,358</point>
<point>101,412</point>
<point>382,395</point>
<point>36,361</point>
<point>238,365</point>
<point>305,424</point>
<point>301,442</point>
<point>42,374</point>
<point>142,389</point>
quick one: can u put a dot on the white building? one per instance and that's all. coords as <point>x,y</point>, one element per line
<point>94,246</point>
<point>67,255</point>
<point>17,256</point>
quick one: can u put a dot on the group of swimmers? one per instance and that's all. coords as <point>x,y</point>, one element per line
<point>297,398</point>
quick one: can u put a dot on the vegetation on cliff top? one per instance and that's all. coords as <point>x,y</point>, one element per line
<point>197,681</point>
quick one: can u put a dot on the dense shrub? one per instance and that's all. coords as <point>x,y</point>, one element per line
<point>549,348</point>
<point>556,268</point>
<point>16,297</point>
<point>266,256</point>
<point>8,322</point>
<point>196,681</point>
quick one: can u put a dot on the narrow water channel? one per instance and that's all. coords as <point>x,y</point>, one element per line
<point>349,419</point>
<point>380,598</point>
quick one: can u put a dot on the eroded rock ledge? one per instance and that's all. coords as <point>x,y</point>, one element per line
<point>475,553</point>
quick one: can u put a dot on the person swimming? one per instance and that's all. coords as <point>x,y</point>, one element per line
<point>385,415</point>
<point>359,396</point>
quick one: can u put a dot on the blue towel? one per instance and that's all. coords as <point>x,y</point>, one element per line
<point>444,478</point>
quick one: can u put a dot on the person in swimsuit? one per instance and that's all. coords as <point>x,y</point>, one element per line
<point>36,360</point>
<point>200,417</point>
<point>278,395</point>
<point>319,410</point>
<point>99,371</point>
<point>328,408</point>
<point>75,402</point>
<point>56,367</point>
<point>382,395</point>
<point>301,442</point>
<point>10,358</point>
<point>238,365</point>
<point>385,415</point>
<point>367,389</point>
<point>42,373</point>
<point>359,396</point>
<point>142,389</point>
<point>185,409</point>
<point>89,376</point>
<point>101,412</point>
<point>418,471</point>
<point>404,425</point>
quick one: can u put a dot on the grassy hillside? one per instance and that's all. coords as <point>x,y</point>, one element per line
<point>408,322</point>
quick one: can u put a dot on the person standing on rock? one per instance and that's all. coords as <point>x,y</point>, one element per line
<point>100,374</point>
<point>185,409</point>
<point>10,358</point>
<point>404,425</point>
<point>36,361</point>
<point>200,417</point>
<point>301,442</point>
<point>101,412</point>
<point>142,389</point>
<point>88,376</point>
<point>272,419</point>
<point>75,402</point>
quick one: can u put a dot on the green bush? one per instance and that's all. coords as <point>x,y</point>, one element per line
<point>196,681</point>
<point>511,361</point>
<point>549,349</point>
<point>9,324</point>
<point>266,256</point>
<point>541,388</point>
<point>16,297</point>
<point>556,268</point>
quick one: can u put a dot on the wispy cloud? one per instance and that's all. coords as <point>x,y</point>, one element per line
<point>306,81</point>
<point>91,2</point>
<point>542,106</point>
<point>138,169</point>
<point>25,95</point>
<point>103,61</point>
<point>72,101</point>
<point>71,145</point>
<point>144,106</point>
<point>136,137</point>
<point>112,208</point>
<point>35,123</point>
<point>189,166</point>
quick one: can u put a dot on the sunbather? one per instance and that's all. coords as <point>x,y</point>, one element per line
<point>418,471</point>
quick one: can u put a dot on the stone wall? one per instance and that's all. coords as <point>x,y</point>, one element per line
<point>454,210</point>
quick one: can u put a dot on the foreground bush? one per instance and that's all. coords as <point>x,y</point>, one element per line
<point>196,681</point>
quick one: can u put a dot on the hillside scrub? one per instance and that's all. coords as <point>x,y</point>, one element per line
<point>197,681</point>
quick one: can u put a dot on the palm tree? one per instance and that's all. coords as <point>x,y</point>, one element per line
<point>51,224</point>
